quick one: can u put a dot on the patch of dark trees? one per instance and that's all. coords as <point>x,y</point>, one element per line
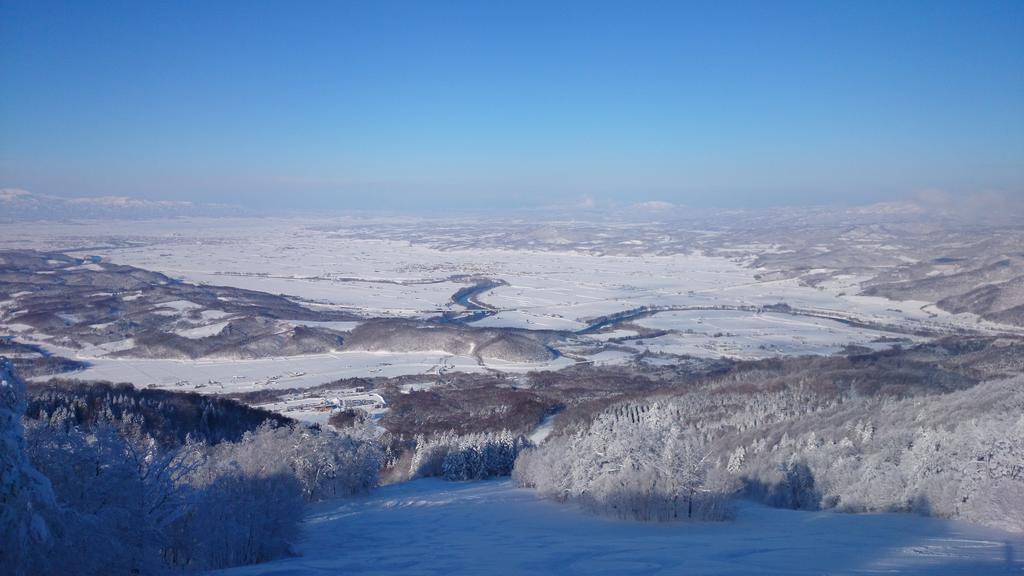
<point>168,416</point>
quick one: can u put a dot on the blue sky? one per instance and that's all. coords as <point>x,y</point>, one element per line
<point>487,104</point>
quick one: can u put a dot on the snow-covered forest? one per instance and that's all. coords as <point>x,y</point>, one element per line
<point>467,457</point>
<point>794,445</point>
<point>130,502</point>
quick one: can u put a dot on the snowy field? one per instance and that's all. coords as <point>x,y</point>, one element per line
<point>432,527</point>
<point>546,289</point>
<point>543,289</point>
<point>220,376</point>
<point>739,334</point>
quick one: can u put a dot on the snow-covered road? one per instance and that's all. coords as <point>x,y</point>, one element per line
<point>443,528</point>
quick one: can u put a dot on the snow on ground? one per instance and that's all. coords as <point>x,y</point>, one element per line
<point>530,320</point>
<point>217,376</point>
<point>611,357</point>
<point>318,408</point>
<point>444,528</point>
<point>339,326</point>
<point>97,350</point>
<point>742,334</point>
<point>369,297</point>
<point>178,306</point>
<point>543,430</point>
<point>202,331</point>
<point>93,267</point>
<point>212,314</point>
<point>416,387</point>
<point>557,290</point>
<point>619,333</point>
<point>544,289</point>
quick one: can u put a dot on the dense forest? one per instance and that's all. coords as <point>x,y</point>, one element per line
<point>169,417</point>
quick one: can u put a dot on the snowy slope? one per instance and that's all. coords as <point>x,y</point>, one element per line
<point>435,527</point>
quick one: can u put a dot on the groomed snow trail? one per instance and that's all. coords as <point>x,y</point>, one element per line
<point>432,527</point>
<point>543,430</point>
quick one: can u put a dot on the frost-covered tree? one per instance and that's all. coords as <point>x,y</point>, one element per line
<point>954,454</point>
<point>682,466</point>
<point>469,457</point>
<point>24,492</point>
<point>127,503</point>
<point>633,461</point>
<point>119,496</point>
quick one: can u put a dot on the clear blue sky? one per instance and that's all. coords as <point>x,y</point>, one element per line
<point>378,104</point>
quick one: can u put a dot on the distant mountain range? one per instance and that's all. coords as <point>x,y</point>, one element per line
<point>934,210</point>
<point>20,205</point>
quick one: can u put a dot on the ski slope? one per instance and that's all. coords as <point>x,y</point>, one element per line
<point>440,528</point>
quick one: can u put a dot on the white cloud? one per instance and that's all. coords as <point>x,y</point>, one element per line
<point>654,205</point>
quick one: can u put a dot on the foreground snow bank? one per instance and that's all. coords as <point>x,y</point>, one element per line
<point>434,527</point>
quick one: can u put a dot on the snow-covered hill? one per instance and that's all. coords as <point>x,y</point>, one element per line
<point>435,527</point>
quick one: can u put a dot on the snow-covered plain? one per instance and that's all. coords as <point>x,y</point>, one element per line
<point>546,289</point>
<point>741,334</point>
<point>445,528</point>
<point>543,289</point>
<point>232,375</point>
